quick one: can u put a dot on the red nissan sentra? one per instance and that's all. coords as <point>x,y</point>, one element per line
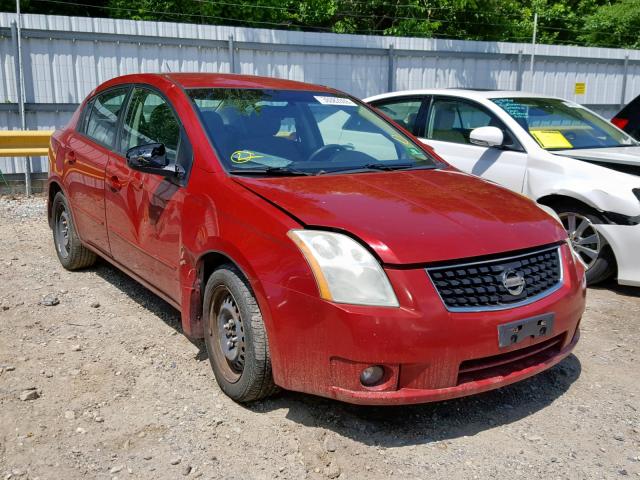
<point>312,243</point>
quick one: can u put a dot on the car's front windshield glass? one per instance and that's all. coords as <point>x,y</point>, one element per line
<point>562,125</point>
<point>301,132</point>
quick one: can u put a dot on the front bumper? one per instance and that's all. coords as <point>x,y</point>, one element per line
<point>624,241</point>
<point>429,354</point>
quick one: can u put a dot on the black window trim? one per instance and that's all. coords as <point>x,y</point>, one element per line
<point>517,148</point>
<point>80,127</point>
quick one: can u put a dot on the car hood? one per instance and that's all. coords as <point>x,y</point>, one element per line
<point>615,155</point>
<point>414,217</point>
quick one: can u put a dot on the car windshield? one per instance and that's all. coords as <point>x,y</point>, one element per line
<point>277,132</point>
<point>562,125</point>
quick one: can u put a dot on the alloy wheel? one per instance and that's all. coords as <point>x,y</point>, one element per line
<point>583,236</point>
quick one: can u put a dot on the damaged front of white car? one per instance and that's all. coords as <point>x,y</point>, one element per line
<point>588,171</point>
<point>552,150</point>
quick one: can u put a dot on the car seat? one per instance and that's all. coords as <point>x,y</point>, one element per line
<point>443,121</point>
<point>262,127</point>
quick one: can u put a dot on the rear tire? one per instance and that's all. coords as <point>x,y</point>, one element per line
<point>71,253</point>
<point>592,247</point>
<point>236,338</point>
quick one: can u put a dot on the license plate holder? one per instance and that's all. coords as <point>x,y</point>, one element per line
<point>515,332</point>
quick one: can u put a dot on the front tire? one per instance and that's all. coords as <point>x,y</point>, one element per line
<point>236,338</point>
<point>587,242</point>
<point>71,253</point>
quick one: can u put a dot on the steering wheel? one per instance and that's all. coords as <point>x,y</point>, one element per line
<point>335,147</point>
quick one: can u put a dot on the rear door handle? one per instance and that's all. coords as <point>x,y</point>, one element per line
<point>114,183</point>
<point>71,157</point>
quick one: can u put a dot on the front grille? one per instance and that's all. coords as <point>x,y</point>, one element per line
<point>483,285</point>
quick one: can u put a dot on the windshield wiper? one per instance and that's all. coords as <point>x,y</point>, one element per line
<point>284,171</point>
<point>380,166</point>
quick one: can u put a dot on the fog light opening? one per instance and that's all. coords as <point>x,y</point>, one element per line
<point>372,375</point>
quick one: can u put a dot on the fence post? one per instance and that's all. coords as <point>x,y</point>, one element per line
<point>232,55</point>
<point>519,72</point>
<point>391,70</point>
<point>19,77</point>
<point>625,70</point>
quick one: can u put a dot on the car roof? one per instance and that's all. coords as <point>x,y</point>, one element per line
<point>217,80</point>
<point>465,92</point>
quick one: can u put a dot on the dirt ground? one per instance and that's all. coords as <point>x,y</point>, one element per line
<point>123,394</point>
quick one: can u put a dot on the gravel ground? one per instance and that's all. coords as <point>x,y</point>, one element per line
<point>103,385</point>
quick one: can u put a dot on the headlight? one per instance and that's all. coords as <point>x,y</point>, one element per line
<point>344,270</point>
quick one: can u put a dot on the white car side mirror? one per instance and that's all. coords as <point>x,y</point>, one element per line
<point>486,136</point>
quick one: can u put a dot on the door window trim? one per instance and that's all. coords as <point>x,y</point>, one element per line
<point>518,147</point>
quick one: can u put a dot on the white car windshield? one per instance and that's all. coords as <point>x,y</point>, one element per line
<point>562,125</point>
<point>301,133</point>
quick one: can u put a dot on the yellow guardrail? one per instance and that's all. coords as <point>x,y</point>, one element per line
<point>24,143</point>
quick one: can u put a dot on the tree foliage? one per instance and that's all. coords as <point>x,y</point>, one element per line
<point>611,23</point>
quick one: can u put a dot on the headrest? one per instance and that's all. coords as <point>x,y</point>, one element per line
<point>444,118</point>
<point>212,121</point>
<point>267,121</point>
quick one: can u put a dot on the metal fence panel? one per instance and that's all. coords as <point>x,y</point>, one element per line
<point>67,57</point>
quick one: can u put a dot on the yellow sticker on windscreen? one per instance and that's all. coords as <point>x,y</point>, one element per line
<point>551,139</point>
<point>244,156</point>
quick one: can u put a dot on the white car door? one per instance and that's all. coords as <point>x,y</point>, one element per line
<point>448,125</point>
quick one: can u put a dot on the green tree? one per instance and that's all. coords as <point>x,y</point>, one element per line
<point>616,24</point>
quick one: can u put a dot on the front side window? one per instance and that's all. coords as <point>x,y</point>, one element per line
<point>310,132</point>
<point>562,125</point>
<point>402,111</point>
<point>453,120</point>
<point>150,119</point>
<point>101,124</point>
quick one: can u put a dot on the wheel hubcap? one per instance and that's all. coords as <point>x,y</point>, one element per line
<point>62,234</point>
<point>583,236</point>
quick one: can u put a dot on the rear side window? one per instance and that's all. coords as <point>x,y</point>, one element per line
<point>102,121</point>
<point>402,111</point>
<point>150,119</point>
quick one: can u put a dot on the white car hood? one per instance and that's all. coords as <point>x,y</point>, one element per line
<point>617,155</point>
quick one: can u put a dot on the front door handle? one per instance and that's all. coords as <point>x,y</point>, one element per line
<point>114,183</point>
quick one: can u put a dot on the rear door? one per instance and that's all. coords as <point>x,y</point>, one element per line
<point>86,157</point>
<point>144,211</point>
<point>450,120</point>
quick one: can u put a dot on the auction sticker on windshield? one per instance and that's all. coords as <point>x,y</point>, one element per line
<point>551,139</point>
<point>335,101</point>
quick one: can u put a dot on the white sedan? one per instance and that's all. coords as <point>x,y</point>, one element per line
<point>554,151</point>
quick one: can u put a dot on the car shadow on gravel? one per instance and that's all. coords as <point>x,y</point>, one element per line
<point>146,299</point>
<point>433,422</point>
<point>622,290</point>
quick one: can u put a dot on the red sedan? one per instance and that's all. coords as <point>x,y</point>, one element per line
<point>315,245</point>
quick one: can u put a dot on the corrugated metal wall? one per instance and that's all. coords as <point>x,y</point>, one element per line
<point>66,57</point>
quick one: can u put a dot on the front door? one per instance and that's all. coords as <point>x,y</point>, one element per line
<point>448,125</point>
<point>144,210</point>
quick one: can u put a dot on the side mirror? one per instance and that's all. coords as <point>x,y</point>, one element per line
<point>486,136</point>
<point>150,158</point>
